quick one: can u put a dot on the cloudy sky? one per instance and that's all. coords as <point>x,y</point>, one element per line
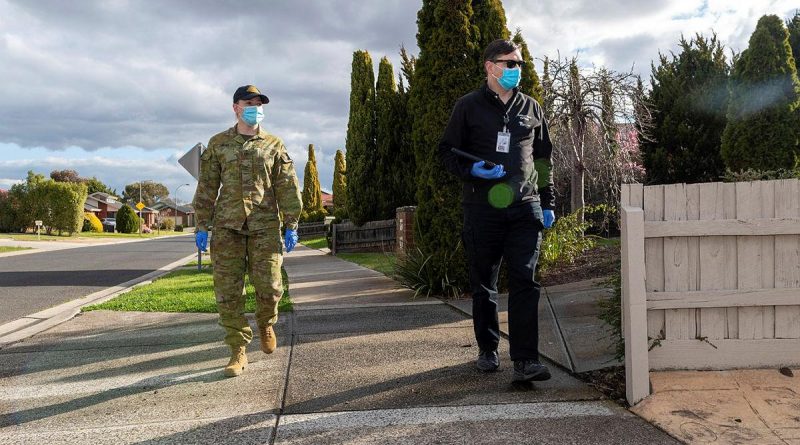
<point>120,89</point>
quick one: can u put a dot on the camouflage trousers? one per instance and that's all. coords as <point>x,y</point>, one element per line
<point>259,254</point>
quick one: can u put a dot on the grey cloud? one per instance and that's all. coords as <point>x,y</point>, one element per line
<point>630,52</point>
<point>160,74</point>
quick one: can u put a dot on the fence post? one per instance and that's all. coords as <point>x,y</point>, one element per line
<point>634,305</point>
<point>333,240</point>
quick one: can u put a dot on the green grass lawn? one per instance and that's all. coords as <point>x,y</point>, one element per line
<point>381,262</point>
<point>315,243</point>
<point>206,262</point>
<point>44,237</point>
<point>4,249</point>
<point>182,291</point>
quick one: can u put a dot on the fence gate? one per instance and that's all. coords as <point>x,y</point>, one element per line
<point>710,277</point>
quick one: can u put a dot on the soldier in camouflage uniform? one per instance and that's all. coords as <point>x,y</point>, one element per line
<point>258,185</point>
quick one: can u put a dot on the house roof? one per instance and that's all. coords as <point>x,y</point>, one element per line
<point>161,205</point>
<point>103,196</point>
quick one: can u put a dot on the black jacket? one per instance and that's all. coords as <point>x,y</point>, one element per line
<point>476,120</point>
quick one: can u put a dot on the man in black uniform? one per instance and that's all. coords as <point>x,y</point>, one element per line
<point>503,205</point>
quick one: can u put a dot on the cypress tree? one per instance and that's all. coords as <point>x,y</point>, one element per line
<point>340,185</point>
<point>529,84</point>
<point>444,72</point>
<point>388,141</point>
<point>689,98</point>
<point>312,193</point>
<point>360,142</point>
<point>490,19</point>
<point>794,38</point>
<point>762,131</point>
<point>406,187</point>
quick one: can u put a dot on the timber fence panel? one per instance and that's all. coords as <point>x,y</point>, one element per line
<point>722,274</point>
<point>676,263</point>
<point>306,230</point>
<point>374,236</point>
<point>787,258</point>
<point>653,205</point>
<point>713,321</point>
<point>751,319</point>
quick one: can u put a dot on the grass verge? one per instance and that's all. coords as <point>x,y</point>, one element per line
<point>182,291</point>
<point>315,243</point>
<point>378,261</point>
<point>4,249</point>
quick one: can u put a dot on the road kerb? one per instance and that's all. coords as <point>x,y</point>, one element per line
<point>25,327</point>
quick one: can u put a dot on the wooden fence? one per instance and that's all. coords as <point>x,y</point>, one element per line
<point>710,277</point>
<point>305,230</point>
<point>374,236</point>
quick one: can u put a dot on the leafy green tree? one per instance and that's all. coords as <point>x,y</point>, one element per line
<point>360,143</point>
<point>529,84</point>
<point>340,185</point>
<point>794,38</point>
<point>312,193</point>
<point>65,176</point>
<point>689,98</point>
<point>65,202</point>
<point>95,185</point>
<point>763,127</point>
<point>127,221</point>
<point>151,192</point>
<point>444,72</point>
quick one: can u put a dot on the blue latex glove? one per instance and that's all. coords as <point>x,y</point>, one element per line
<point>201,240</point>
<point>290,239</point>
<point>549,218</point>
<point>493,173</point>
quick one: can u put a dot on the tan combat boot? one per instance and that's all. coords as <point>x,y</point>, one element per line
<point>237,363</point>
<point>268,340</point>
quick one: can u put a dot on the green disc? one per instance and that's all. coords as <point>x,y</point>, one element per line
<point>501,196</point>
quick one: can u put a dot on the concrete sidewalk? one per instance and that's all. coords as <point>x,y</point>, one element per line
<point>358,362</point>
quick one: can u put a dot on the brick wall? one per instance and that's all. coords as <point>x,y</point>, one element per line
<point>405,229</point>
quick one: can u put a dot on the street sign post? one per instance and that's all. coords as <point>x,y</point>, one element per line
<point>191,162</point>
<point>38,223</point>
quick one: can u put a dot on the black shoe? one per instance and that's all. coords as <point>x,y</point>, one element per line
<point>530,370</point>
<point>488,361</point>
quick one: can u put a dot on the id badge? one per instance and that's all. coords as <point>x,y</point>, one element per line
<point>503,141</point>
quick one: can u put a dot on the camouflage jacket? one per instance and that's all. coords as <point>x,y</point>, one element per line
<point>258,183</point>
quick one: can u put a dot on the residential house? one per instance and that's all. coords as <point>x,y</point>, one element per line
<point>182,215</point>
<point>327,201</point>
<point>102,205</point>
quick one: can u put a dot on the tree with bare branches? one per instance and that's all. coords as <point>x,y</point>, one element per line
<point>595,116</point>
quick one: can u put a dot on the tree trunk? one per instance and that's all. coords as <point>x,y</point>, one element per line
<point>577,184</point>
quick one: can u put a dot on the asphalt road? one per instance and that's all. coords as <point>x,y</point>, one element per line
<point>37,281</point>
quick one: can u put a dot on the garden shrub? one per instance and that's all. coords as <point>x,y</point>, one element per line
<point>91,223</point>
<point>126,220</point>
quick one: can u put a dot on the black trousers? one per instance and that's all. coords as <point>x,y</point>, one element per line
<point>514,234</point>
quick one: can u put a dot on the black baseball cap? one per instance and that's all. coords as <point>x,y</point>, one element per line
<point>248,92</point>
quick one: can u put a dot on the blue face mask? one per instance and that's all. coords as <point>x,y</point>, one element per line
<point>510,78</point>
<point>253,115</point>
